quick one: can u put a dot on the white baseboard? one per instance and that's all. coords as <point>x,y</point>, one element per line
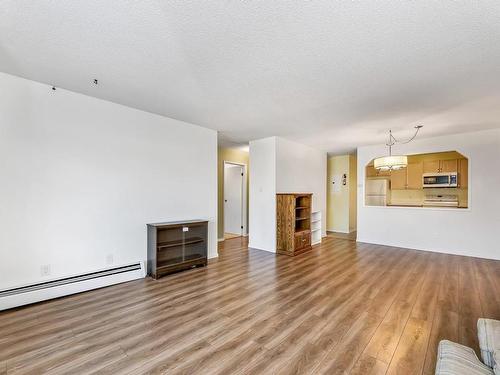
<point>15,300</point>
<point>252,246</point>
<point>341,231</point>
<point>337,231</point>
<point>223,239</point>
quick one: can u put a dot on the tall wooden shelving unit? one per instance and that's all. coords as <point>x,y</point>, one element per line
<point>293,223</point>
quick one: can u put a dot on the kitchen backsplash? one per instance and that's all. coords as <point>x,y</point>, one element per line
<point>416,197</point>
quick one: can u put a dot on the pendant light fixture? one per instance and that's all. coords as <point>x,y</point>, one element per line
<point>394,162</point>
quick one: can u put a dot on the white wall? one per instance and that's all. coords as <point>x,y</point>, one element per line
<point>300,168</point>
<point>81,177</point>
<point>472,232</point>
<point>262,198</point>
<point>282,166</point>
<point>352,182</point>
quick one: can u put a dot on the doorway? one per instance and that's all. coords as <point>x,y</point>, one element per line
<point>234,200</point>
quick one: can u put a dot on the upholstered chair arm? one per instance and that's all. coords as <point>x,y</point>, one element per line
<point>488,333</point>
<point>456,359</point>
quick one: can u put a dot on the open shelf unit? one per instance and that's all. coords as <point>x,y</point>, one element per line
<point>176,246</point>
<point>316,227</point>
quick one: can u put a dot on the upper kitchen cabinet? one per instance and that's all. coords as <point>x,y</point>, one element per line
<point>399,179</point>
<point>449,165</point>
<point>407,178</point>
<point>372,172</point>
<point>432,166</point>
<point>440,166</point>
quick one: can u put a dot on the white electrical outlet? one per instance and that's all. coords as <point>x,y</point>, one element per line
<point>109,259</point>
<point>45,270</point>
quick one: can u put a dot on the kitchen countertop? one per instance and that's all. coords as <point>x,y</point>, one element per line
<point>421,205</point>
<point>405,205</point>
<point>393,206</point>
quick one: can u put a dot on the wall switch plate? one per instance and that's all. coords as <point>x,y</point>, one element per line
<point>109,259</point>
<point>45,270</point>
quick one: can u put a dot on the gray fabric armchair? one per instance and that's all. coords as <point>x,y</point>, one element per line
<point>456,359</point>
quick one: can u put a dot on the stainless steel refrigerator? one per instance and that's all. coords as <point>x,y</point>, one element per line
<point>377,192</point>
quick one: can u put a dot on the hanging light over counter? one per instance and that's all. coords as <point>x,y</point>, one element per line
<point>394,162</point>
<point>391,163</point>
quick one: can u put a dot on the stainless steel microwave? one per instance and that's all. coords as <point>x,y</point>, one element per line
<point>440,180</point>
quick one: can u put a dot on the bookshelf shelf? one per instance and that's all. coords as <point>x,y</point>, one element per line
<point>176,246</point>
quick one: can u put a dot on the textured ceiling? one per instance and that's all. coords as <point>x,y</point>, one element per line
<point>330,74</point>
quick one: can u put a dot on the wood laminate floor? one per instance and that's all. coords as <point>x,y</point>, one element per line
<point>343,307</point>
<point>229,236</point>
<point>345,236</point>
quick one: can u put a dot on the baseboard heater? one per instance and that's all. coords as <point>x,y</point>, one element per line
<point>24,295</point>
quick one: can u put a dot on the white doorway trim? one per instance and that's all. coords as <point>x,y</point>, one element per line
<point>244,203</point>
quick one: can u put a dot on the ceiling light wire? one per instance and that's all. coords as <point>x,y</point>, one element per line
<point>392,140</point>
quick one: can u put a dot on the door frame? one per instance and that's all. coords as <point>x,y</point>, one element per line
<point>244,200</point>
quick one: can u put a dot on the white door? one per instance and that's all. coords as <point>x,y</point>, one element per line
<point>233,198</point>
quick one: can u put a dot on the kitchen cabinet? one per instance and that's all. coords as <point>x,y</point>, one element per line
<point>407,178</point>
<point>372,172</point>
<point>440,166</point>
<point>449,165</point>
<point>398,179</point>
<point>414,176</point>
<point>432,166</point>
<point>463,173</point>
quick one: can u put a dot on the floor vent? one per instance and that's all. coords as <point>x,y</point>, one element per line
<point>56,288</point>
